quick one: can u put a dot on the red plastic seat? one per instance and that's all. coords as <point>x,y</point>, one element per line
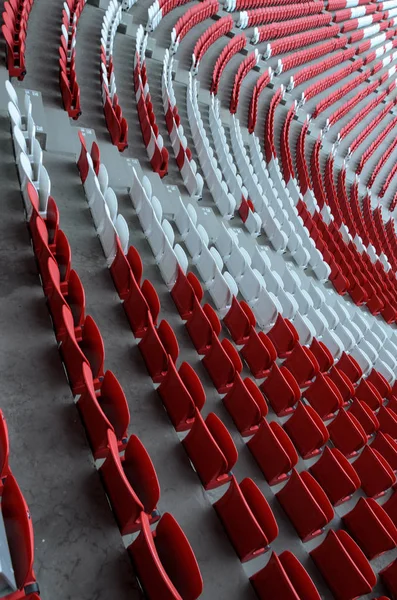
<point>131,484</point>
<point>164,561</point>
<point>343,566</point>
<point>96,157</point>
<point>19,530</point>
<point>284,578</point>
<point>185,291</point>
<point>343,383</point>
<point>306,505</point>
<point>182,393</point>
<point>347,434</point>
<point>75,300</point>
<point>389,577</point>
<point>89,351</point>
<point>158,347</point>
<point>387,421</point>
<point>371,527</point>
<point>336,476</point>
<point>51,221</point>
<point>4,451</point>
<point>284,336</point>
<point>239,320</point>
<point>142,306</point>
<point>201,324</point>
<point>259,353</point>
<point>281,389</point>
<point>62,255</point>
<point>367,392</point>
<point>246,405</point>
<point>273,451</point>
<point>323,395</point>
<point>365,416</point>
<point>380,383</point>
<point>211,450</point>
<point>306,430</point>
<point>387,447</point>
<point>390,506</point>
<point>82,162</point>
<point>123,266</point>
<point>322,355</point>
<point>302,364</point>
<point>222,363</point>
<point>374,471</point>
<point>350,367</point>
<point>247,518</point>
<point>108,410</point>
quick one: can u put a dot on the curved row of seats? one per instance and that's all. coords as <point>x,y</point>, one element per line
<point>116,123</point>
<point>15,16</point>
<point>17,524</point>
<point>70,90</point>
<point>130,480</point>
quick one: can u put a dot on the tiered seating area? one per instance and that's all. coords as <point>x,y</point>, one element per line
<point>244,199</point>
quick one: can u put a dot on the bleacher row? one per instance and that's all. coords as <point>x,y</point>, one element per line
<point>324,377</point>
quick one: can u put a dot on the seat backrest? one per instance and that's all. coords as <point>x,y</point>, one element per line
<point>193,384</point>
<point>177,558</point>
<point>19,530</point>
<point>4,446</point>
<point>92,346</point>
<point>114,404</point>
<point>223,438</point>
<point>141,474</point>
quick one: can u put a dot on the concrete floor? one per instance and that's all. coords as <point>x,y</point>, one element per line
<point>79,552</point>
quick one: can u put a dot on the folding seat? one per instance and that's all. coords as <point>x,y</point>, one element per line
<point>388,576</point>
<point>164,561</point>
<point>306,505</point>
<point>343,383</point>
<point>365,416</point>
<point>380,383</point>
<point>123,266</point>
<point>323,395</point>
<point>19,531</point>
<point>181,393</point>
<point>140,305</point>
<point>302,364</point>
<point>344,567</point>
<point>247,519</point>
<point>387,447</point>
<point>322,354</point>
<point>222,363</point>
<point>52,222</point>
<point>201,325</point>
<point>371,527</point>
<point>281,390</point>
<point>350,367</point>
<point>347,434</point>
<point>211,450</point>
<point>259,353</point>
<point>106,411</point>
<point>131,484</point>
<point>4,451</point>
<point>273,451</point>
<point>74,299</point>
<point>387,421</point>
<point>15,52</point>
<point>239,320</point>
<point>374,471</point>
<point>246,405</point>
<point>367,392</point>
<point>82,162</point>
<point>158,347</point>
<point>43,185</point>
<point>283,578</point>
<point>306,430</point>
<point>89,351</point>
<point>43,254</point>
<point>185,291</point>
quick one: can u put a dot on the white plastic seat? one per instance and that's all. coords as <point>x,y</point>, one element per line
<point>103,178</point>
<point>108,237</point>
<point>111,201</point>
<point>43,185</point>
<point>123,232</point>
